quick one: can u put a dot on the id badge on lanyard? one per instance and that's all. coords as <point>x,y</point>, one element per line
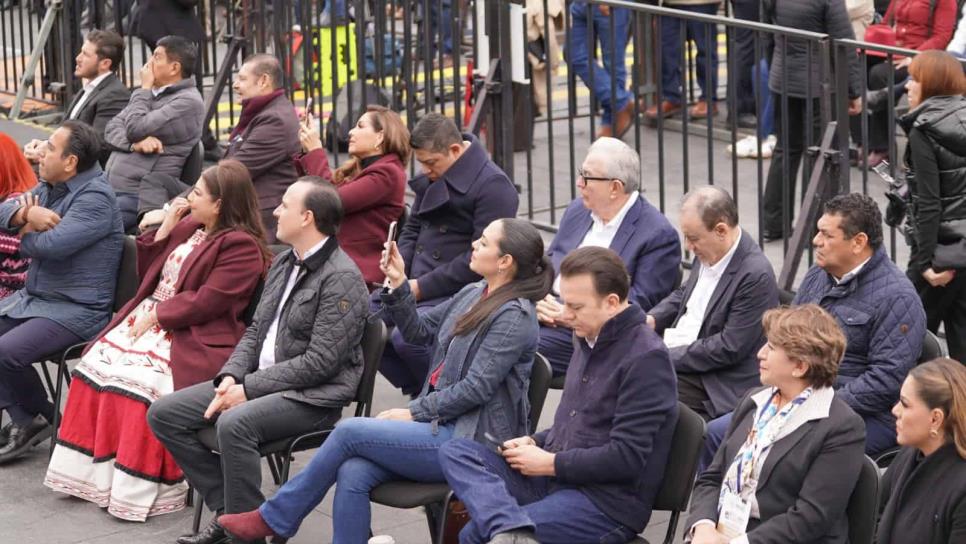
<point>734,515</point>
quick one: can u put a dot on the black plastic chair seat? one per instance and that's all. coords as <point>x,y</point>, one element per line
<point>405,494</point>
<point>558,382</point>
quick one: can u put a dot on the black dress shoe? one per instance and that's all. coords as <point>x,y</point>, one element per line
<point>214,533</point>
<point>21,439</point>
<point>5,434</point>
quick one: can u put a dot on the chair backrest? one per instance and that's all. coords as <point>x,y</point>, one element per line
<point>127,274</point>
<point>785,297</point>
<point>191,170</point>
<point>374,339</point>
<point>540,377</point>
<point>682,461</point>
<point>862,510</point>
<point>403,218</point>
<point>932,348</point>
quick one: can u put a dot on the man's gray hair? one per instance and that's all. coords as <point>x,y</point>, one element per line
<point>621,161</point>
<point>713,205</point>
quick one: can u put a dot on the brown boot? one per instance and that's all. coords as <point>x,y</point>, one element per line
<point>667,109</point>
<point>605,131</point>
<point>622,120</point>
<point>701,110</point>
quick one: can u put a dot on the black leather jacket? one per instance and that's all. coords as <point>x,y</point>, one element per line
<point>936,174</point>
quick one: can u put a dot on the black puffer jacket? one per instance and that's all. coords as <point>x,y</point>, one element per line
<point>936,173</point>
<point>318,357</point>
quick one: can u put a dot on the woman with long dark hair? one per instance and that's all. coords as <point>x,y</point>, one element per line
<point>372,183</point>
<point>936,175</point>
<point>483,343</point>
<point>16,177</point>
<point>198,274</point>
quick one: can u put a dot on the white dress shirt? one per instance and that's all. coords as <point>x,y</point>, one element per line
<point>689,326</point>
<point>266,358</point>
<point>157,92</point>
<point>87,93</point>
<point>601,234</point>
<point>853,273</point>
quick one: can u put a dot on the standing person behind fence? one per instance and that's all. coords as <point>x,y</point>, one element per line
<point>923,494</point>
<point>459,193</point>
<point>16,177</point>
<point>197,274</point>
<point>916,24</point>
<point>160,126</point>
<point>673,73</point>
<point>103,96</point>
<point>71,229</point>
<point>790,61</point>
<point>937,184</point>
<point>793,452</point>
<point>610,213</point>
<point>607,83</point>
<point>372,183</point>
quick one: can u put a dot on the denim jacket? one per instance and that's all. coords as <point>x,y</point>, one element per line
<point>486,374</point>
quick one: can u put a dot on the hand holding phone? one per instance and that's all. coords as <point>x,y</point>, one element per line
<point>309,116</point>
<point>497,444</point>
<point>384,264</point>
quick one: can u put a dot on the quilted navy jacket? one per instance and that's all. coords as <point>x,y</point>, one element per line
<point>884,323</point>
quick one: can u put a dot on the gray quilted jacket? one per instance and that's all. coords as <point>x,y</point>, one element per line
<point>175,117</point>
<point>318,356</point>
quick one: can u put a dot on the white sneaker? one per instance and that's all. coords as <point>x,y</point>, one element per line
<point>382,539</point>
<point>747,147</point>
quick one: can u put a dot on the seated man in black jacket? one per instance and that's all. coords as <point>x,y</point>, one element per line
<point>293,371</point>
<point>593,476</point>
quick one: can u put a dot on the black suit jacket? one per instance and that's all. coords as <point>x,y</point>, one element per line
<point>105,101</point>
<point>805,483</point>
<point>724,356</point>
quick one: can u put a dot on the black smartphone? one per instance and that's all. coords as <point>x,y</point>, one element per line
<point>497,444</point>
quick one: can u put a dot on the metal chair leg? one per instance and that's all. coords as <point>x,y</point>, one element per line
<point>199,507</point>
<point>276,477</point>
<point>441,531</point>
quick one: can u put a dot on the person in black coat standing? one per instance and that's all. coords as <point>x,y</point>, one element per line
<point>159,18</point>
<point>923,495</point>
<point>936,175</point>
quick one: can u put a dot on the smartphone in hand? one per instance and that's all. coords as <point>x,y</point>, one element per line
<point>390,238</point>
<point>497,444</point>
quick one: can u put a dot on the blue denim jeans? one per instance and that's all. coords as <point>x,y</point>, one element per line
<point>671,42</point>
<point>766,119</point>
<point>360,454</point>
<point>500,499</point>
<point>597,78</point>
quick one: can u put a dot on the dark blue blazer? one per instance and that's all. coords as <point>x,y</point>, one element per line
<point>724,356</point>
<point>645,241</point>
<point>450,213</point>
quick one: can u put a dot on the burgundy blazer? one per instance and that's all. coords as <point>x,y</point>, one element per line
<point>214,287</point>
<point>370,201</point>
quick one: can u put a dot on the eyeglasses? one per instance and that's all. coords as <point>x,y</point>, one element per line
<point>582,175</point>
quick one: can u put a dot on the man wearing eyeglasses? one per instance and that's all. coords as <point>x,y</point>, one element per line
<point>611,213</point>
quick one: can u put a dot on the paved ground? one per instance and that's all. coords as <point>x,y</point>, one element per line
<point>30,513</point>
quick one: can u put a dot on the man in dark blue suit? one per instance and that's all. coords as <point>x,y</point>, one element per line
<point>459,193</point>
<point>610,213</point>
<point>712,324</point>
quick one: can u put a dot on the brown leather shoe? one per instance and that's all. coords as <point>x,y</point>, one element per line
<point>701,110</point>
<point>667,109</point>
<point>622,120</point>
<point>605,131</point>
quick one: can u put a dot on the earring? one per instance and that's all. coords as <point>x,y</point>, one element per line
<point>933,433</point>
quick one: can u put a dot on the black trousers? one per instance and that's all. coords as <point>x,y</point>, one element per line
<point>946,306</point>
<point>745,61</point>
<point>879,120</point>
<point>691,392</point>
<point>780,189</point>
<point>230,482</point>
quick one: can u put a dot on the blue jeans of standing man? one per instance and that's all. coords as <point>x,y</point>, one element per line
<point>360,454</point>
<point>500,499</point>
<point>611,97</point>
<point>704,35</point>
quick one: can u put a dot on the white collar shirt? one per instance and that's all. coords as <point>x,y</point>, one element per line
<point>88,89</point>
<point>266,358</point>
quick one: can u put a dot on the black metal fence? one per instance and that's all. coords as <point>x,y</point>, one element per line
<point>446,55</point>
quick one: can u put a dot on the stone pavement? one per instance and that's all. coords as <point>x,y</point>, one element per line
<point>31,513</point>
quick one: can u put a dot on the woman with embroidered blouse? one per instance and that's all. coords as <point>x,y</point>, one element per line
<point>198,274</point>
<point>16,177</point>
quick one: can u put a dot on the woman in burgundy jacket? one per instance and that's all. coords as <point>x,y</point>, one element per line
<point>372,183</point>
<point>197,275</point>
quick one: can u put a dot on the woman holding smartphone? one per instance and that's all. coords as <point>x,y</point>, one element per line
<point>936,175</point>
<point>372,183</point>
<point>483,342</point>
